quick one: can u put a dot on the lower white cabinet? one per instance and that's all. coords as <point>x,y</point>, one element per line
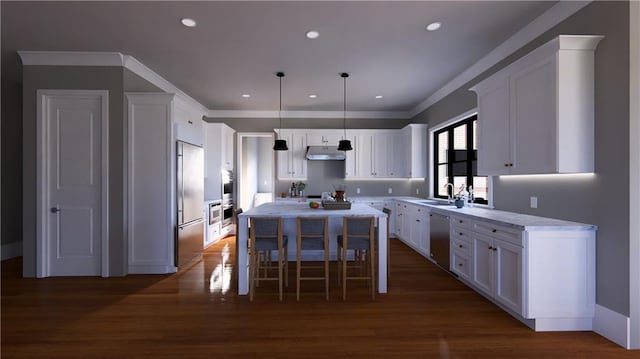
<point>412,226</point>
<point>497,270</point>
<point>544,276</point>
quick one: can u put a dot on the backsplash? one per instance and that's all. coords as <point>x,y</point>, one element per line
<point>323,175</point>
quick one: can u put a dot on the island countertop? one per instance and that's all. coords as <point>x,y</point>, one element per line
<point>287,209</point>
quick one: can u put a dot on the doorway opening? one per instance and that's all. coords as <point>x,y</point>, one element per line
<point>255,169</point>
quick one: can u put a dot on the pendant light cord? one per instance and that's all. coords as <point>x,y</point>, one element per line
<point>280,108</point>
<point>344,102</point>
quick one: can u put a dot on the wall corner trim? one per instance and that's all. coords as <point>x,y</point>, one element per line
<point>612,325</point>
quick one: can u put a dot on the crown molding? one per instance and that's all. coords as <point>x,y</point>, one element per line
<point>140,69</point>
<point>71,58</point>
<point>309,114</point>
<point>528,33</point>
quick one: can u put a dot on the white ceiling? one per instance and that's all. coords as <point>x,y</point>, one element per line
<point>237,46</point>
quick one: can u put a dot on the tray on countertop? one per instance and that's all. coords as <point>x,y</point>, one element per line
<point>336,205</point>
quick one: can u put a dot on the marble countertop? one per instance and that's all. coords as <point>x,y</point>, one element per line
<point>518,220</point>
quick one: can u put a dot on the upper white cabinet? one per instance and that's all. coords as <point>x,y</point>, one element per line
<point>188,123</point>
<point>218,156</point>
<point>536,115</point>
<point>292,164</point>
<point>413,143</point>
<point>376,153</point>
<point>329,138</point>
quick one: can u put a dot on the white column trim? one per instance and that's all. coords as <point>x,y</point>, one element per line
<point>634,171</point>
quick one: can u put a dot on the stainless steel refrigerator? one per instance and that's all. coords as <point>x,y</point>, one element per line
<point>190,196</point>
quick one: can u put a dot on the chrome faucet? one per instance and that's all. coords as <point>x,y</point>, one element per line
<point>449,194</point>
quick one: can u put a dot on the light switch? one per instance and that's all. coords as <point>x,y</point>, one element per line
<point>358,190</point>
<point>390,190</point>
<point>534,202</point>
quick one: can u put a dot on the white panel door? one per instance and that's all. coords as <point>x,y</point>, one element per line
<point>73,224</point>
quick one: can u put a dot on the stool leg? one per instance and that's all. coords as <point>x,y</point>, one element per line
<point>298,268</point>
<point>326,271</point>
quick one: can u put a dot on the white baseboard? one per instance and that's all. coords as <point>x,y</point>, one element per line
<point>11,250</point>
<point>612,325</point>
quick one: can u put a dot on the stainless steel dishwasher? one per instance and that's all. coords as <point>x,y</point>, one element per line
<point>439,231</point>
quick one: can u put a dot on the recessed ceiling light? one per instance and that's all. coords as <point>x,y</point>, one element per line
<point>246,95</point>
<point>379,96</point>
<point>188,22</point>
<point>312,34</point>
<point>433,26</point>
<point>313,96</point>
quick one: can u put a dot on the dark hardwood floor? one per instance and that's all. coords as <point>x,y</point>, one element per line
<point>196,314</point>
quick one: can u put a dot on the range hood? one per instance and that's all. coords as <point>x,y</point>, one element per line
<point>325,153</point>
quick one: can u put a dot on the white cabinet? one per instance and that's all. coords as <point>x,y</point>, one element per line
<point>379,154</point>
<point>412,226</point>
<point>188,123</point>
<point>545,277</point>
<point>497,270</point>
<point>537,115</point>
<point>413,144</point>
<point>292,164</point>
<point>324,137</point>
<point>150,158</point>
<point>218,156</point>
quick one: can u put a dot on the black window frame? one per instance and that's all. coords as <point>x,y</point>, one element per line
<point>470,157</point>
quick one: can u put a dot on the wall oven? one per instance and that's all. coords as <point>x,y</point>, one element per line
<point>227,185</point>
<point>215,213</point>
<point>227,213</point>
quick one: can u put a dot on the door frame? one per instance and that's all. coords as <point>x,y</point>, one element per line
<point>42,178</point>
<point>240,136</point>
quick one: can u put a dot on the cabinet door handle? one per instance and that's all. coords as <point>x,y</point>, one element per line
<point>461,246</point>
<point>494,230</point>
<point>55,209</point>
<point>495,249</point>
<point>460,264</point>
<point>460,233</point>
<point>490,248</point>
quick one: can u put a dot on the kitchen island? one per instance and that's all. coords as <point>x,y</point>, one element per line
<point>290,212</point>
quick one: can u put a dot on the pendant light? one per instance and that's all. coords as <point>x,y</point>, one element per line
<point>344,144</point>
<point>280,144</point>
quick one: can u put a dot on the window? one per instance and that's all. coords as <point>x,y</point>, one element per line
<point>455,149</point>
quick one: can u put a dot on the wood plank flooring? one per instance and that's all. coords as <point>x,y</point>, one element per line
<point>196,314</point>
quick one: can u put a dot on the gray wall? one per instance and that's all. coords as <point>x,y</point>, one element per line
<point>600,199</point>
<point>69,77</point>
<point>265,164</point>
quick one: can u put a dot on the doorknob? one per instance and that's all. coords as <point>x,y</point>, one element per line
<point>55,209</point>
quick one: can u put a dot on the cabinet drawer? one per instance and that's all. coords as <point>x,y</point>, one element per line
<point>460,265</point>
<point>462,246</point>
<point>461,221</point>
<point>460,234</point>
<point>511,235</point>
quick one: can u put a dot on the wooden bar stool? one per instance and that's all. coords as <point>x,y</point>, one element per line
<point>312,234</point>
<point>358,234</point>
<point>265,235</point>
